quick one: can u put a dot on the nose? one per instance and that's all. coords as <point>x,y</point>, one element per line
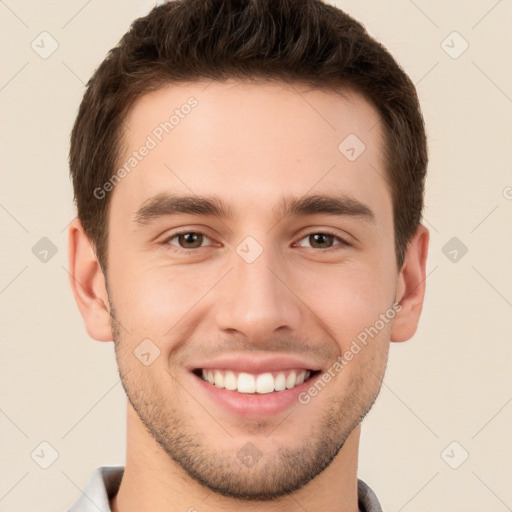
<point>256,299</point>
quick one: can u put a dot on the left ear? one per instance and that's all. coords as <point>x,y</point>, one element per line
<point>411,287</point>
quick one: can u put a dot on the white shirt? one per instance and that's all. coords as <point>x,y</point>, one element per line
<point>104,484</point>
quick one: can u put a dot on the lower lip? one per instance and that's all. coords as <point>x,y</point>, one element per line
<point>254,405</point>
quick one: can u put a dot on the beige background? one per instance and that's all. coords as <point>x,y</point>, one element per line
<point>452,382</point>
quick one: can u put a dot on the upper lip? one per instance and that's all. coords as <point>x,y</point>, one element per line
<point>256,365</point>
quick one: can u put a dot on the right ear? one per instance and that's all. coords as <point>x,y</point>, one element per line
<point>88,283</point>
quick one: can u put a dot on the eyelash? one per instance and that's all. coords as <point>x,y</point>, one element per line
<point>343,243</point>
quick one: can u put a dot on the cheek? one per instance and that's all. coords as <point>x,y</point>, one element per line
<point>154,300</point>
<point>347,298</point>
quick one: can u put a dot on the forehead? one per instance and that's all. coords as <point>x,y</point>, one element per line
<point>252,144</point>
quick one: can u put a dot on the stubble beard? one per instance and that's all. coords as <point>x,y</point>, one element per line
<point>259,478</point>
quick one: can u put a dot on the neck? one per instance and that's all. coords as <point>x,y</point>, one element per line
<point>153,481</point>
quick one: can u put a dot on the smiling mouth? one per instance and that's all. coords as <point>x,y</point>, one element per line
<point>261,383</point>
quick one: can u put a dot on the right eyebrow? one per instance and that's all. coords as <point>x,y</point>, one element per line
<point>170,204</point>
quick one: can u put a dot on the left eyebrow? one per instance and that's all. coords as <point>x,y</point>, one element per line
<point>325,204</point>
<point>165,204</point>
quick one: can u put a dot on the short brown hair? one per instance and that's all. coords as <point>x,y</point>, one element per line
<point>291,41</point>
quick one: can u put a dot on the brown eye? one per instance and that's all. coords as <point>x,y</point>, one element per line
<point>321,240</point>
<point>187,240</point>
<point>190,240</point>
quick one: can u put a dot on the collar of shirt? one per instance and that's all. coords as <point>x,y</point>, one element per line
<point>105,481</point>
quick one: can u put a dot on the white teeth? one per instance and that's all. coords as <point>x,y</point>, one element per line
<point>219,379</point>
<point>265,383</point>
<point>246,383</point>
<point>230,381</point>
<point>291,380</point>
<point>280,382</point>
<point>262,383</point>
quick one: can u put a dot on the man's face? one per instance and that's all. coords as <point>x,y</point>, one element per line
<point>255,292</point>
